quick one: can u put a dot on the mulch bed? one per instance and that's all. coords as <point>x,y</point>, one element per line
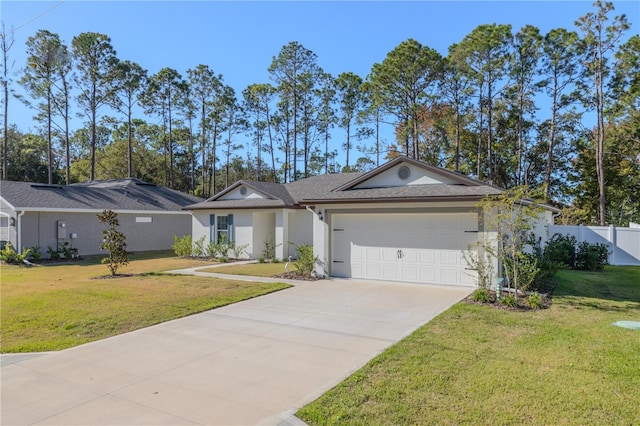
<point>108,277</point>
<point>546,292</point>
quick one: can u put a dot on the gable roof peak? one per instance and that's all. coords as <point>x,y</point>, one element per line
<point>457,177</point>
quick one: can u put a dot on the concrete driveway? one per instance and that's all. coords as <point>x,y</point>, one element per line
<point>254,362</point>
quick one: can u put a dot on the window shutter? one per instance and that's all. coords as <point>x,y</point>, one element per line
<point>231,229</point>
<point>212,228</point>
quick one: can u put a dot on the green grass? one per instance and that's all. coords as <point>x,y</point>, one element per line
<point>253,269</point>
<point>61,305</point>
<point>481,365</point>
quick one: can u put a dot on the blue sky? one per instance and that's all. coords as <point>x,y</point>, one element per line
<point>238,39</point>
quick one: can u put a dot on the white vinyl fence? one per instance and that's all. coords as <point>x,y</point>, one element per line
<point>623,243</point>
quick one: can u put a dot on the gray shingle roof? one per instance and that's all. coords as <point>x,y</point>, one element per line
<point>415,192</point>
<point>338,188</point>
<point>116,194</point>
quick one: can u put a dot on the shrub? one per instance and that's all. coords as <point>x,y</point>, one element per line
<point>238,250</point>
<point>509,300</point>
<point>9,254</point>
<point>53,253</point>
<point>591,256</point>
<point>67,251</point>
<point>213,250</point>
<point>35,253</point>
<point>113,241</point>
<point>481,295</point>
<point>269,250</point>
<point>198,248</point>
<point>535,301</point>
<point>306,261</point>
<point>561,249</point>
<point>182,245</point>
<point>481,263</point>
<point>224,248</point>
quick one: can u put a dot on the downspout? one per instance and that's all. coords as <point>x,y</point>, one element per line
<point>19,232</point>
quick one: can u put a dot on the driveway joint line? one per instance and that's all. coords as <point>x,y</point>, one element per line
<point>293,325</point>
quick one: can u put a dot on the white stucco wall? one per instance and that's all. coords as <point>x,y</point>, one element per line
<point>300,229</point>
<point>242,228</point>
<point>264,224</point>
<point>243,231</point>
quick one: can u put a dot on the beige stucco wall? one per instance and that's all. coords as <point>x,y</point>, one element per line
<point>84,231</point>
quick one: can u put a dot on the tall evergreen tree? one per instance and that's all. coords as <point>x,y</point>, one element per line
<point>599,42</point>
<point>291,70</point>
<point>129,81</point>
<point>486,50</point>
<point>6,42</point>
<point>206,88</point>
<point>161,95</point>
<point>95,59</point>
<point>46,56</point>
<point>559,69</point>
<point>350,99</point>
<point>406,78</point>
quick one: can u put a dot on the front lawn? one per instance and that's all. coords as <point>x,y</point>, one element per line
<point>57,306</point>
<point>481,365</point>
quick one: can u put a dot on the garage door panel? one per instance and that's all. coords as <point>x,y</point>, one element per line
<point>427,275</point>
<point>449,257</point>
<point>427,256</point>
<point>373,253</point>
<point>389,254</point>
<point>404,247</point>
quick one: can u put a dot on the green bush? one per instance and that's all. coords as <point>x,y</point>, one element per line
<point>114,242</point>
<point>182,246</point>
<point>561,249</point>
<point>481,295</point>
<point>535,301</point>
<point>306,261</point>
<point>213,250</point>
<point>54,254</point>
<point>9,254</point>
<point>591,256</point>
<point>67,251</point>
<point>198,248</point>
<point>509,300</point>
<point>237,250</point>
<point>35,254</point>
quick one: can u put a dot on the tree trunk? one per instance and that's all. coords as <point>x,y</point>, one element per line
<point>203,145</point>
<point>552,141</point>
<point>49,138</point>
<point>92,172</point>
<point>129,143</point>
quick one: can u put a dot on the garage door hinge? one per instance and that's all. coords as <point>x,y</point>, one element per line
<point>471,231</point>
<point>338,261</point>
<point>338,229</point>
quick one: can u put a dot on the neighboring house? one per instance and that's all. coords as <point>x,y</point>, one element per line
<point>403,221</point>
<point>34,214</point>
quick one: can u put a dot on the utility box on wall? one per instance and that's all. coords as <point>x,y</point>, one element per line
<point>62,230</point>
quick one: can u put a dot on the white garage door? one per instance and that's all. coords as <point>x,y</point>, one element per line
<point>423,248</point>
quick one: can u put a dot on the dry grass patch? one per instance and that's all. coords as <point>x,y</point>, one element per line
<point>61,305</point>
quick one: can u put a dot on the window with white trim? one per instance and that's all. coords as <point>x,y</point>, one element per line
<point>221,228</point>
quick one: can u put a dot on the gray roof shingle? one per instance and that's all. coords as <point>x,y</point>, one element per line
<point>338,188</point>
<point>115,194</point>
